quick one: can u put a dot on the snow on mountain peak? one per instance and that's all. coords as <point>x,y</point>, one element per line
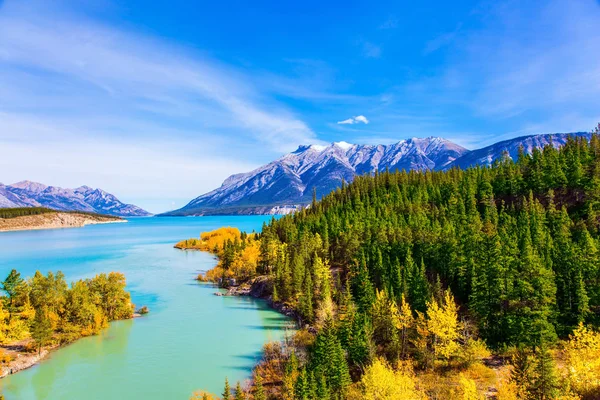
<point>343,145</point>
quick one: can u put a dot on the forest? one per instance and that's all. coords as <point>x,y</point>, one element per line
<point>466,284</point>
<point>22,211</point>
<point>45,311</point>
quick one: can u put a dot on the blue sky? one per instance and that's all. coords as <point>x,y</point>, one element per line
<point>158,102</point>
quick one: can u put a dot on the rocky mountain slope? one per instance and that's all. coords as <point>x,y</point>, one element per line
<point>288,182</point>
<point>84,198</point>
<point>291,179</point>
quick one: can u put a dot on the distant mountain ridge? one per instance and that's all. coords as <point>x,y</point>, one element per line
<point>487,155</point>
<point>83,198</point>
<point>290,180</point>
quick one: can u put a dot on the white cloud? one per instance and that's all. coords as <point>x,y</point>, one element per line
<point>354,120</point>
<point>361,118</point>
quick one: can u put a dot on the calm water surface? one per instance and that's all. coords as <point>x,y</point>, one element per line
<point>190,340</point>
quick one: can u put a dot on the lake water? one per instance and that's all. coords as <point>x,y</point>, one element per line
<point>190,340</point>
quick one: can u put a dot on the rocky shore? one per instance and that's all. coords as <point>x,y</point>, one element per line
<point>21,359</point>
<point>260,287</point>
<point>55,220</point>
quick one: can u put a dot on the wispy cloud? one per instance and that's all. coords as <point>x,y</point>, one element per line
<point>354,120</point>
<point>124,69</point>
<point>82,101</point>
<point>522,69</point>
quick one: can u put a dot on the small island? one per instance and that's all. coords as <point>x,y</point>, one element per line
<point>29,218</point>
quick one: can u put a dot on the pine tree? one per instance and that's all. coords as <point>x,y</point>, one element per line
<point>418,286</point>
<point>41,329</point>
<point>306,298</point>
<point>239,393</point>
<point>488,294</point>
<point>226,391</point>
<point>258,390</point>
<point>302,387</point>
<point>323,389</point>
<point>328,359</point>
<point>521,373</point>
<point>545,385</point>
<point>362,287</point>
<point>289,378</point>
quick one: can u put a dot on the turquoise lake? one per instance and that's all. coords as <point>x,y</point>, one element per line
<point>191,339</point>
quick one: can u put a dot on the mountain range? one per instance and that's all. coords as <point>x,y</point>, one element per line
<point>287,183</point>
<point>83,198</point>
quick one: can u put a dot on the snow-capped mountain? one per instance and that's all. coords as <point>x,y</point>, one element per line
<point>291,179</point>
<point>84,198</point>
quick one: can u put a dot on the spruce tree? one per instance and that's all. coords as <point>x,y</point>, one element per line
<point>41,329</point>
<point>226,391</point>
<point>239,393</point>
<point>545,385</point>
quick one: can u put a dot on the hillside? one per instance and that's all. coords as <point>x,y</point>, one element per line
<point>83,198</point>
<point>406,282</point>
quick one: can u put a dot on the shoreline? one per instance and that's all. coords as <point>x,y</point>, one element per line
<point>258,288</point>
<point>58,220</point>
<point>24,360</point>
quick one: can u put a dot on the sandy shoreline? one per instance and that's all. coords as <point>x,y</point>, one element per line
<point>55,220</point>
<point>24,360</point>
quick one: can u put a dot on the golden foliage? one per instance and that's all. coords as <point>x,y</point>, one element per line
<point>474,351</point>
<point>582,359</point>
<point>216,239</point>
<point>438,331</point>
<point>467,389</point>
<point>381,382</point>
<point>245,262</point>
<point>507,387</point>
<point>203,395</point>
<point>242,261</point>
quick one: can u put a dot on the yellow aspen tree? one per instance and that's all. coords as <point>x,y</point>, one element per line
<point>443,327</point>
<point>381,382</point>
<point>507,387</point>
<point>467,389</point>
<point>4,314</point>
<point>582,359</point>
<point>404,323</point>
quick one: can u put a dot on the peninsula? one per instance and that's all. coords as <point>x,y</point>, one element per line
<point>18,219</point>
